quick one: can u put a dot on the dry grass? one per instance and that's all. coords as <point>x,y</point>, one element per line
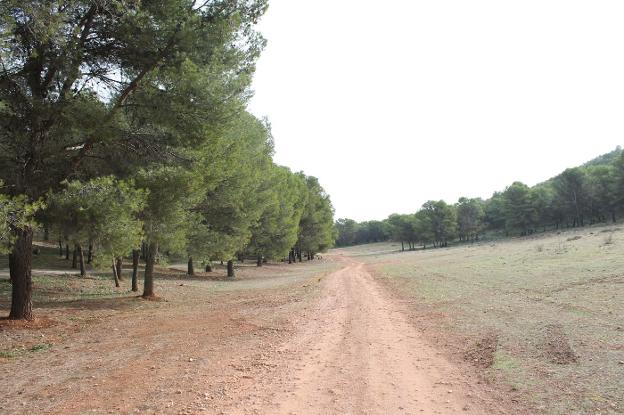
<point>554,303</point>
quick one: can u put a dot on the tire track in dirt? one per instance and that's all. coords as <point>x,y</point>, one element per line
<point>357,353</point>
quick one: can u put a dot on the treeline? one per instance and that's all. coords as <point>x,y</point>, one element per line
<point>124,132</point>
<point>579,196</point>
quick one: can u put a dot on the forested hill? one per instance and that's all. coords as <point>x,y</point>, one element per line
<point>579,196</point>
<point>605,159</point>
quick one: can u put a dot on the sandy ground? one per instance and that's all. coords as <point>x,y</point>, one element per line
<point>335,343</point>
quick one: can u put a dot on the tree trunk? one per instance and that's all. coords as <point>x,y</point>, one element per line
<point>90,254</point>
<point>191,269</point>
<point>143,250</point>
<point>46,233</point>
<point>21,266</point>
<point>230,268</point>
<point>259,261</point>
<point>60,248</point>
<point>119,266</point>
<point>208,266</point>
<point>135,269</point>
<point>83,271</point>
<point>11,267</point>
<point>67,251</point>
<point>75,257</point>
<point>148,280</point>
<point>115,275</point>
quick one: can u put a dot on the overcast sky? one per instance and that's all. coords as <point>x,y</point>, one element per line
<point>393,103</point>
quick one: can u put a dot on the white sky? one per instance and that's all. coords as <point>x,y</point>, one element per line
<point>392,103</point>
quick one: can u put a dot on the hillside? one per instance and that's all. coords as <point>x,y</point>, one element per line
<point>604,159</point>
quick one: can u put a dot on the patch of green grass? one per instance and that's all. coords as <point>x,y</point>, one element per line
<point>512,372</point>
<point>21,351</point>
<point>41,347</point>
<point>505,363</point>
<point>9,354</point>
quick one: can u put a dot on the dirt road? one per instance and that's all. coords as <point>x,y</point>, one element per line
<point>298,339</point>
<point>360,355</point>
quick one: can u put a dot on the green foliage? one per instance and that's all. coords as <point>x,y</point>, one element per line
<point>276,232</point>
<point>347,232</point>
<point>171,192</point>
<point>607,159</point>
<point>372,231</point>
<point>102,211</point>
<point>439,220</point>
<point>236,193</point>
<point>117,81</point>
<point>316,229</point>
<point>470,214</point>
<point>404,228</point>
<point>16,213</point>
<point>495,211</point>
<point>518,208</point>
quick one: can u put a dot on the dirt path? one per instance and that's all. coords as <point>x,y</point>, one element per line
<point>282,340</point>
<point>358,354</point>
<point>5,272</point>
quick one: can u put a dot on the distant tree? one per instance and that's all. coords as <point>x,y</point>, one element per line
<point>347,232</point>
<point>276,232</point>
<point>543,209</point>
<point>402,228</point>
<point>572,194</point>
<point>372,231</point>
<point>601,184</point>
<point>518,208</point>
<point>470,216</point>
<point>237,196</point>
<point>423,227</point>
<point>618,173</point>
<point>441,219</point>
<point>494,212</point>
<point>316,230</point>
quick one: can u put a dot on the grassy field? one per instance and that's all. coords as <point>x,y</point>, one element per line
<point>542,315</point>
